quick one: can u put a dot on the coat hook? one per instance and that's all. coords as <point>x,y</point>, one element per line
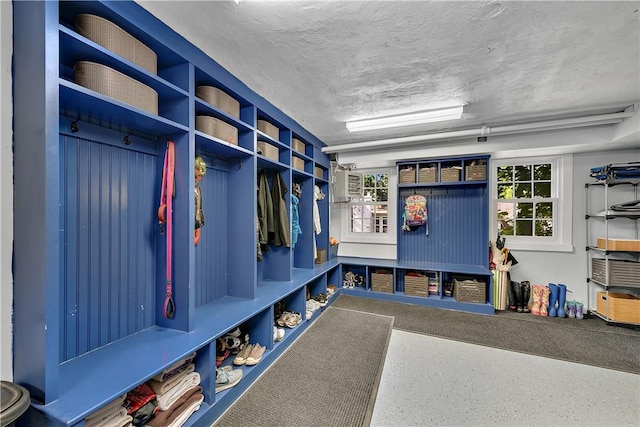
<point>74,125</point>
<point>213,161</point>
<point>239,165</point>
<point>126,138</point>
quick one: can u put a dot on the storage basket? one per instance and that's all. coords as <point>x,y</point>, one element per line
<point>407,175</point>
<point>321,256</point>
<point>318,172</point>
<point>298,145</point>
<point>114,84</point>
<point>297,163</point>
<point>621,272</point>
<point>219,99</point>
<point>217,128</point>
<point>382,282</point>
<point>269,151</point>
<point>450,174</point>
<point>427,175</point>
<point>632,245</point>
<point>622,307</point>
<point>109,35</point>
<point>416,285</point>
<point>475,173</point>
<point>469,291</point>
<point>271,130</point>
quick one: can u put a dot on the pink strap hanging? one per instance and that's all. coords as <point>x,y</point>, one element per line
<point>165,217</point>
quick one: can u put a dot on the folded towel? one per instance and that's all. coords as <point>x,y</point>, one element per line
<point>160,387</point>
<point>180,411</point>
<point>168,398</point>
<point>117,419</point>
<point>106,411</point>
<point>175,368</point>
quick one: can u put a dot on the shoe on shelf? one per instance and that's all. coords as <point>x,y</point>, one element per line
<point>256,355</point>
<point>226,378</point>
<point>221,356</point>
<point>241,357</point>
<point>289,319</point>
<point>235,333</point>
<point>321,299</point>
<point>278,334</point>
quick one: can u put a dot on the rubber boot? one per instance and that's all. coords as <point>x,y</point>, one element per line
<point>518,300</point>
<point>537,300</point>
<point>562,298</point>
<point>572,309</point>
<point>513,301</point>
<point>579,314</point>
<point>544,300</point>
<point>526,294</point>
<point>553,299</point>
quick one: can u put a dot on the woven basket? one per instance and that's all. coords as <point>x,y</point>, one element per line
<point>217,128</point>
<point>469,291</point>
<point>114,38</point>
<point>416,285</point>
<point>427,175</point>
<point>269,151</point>
<point>110,82</point>
<point>298,145</point>
<point>407,176</point>
<point>297,163</point>
<point>449,174</point>
<point>382,282</point>
<point>269,129</point>
<point>219,99</point>
<point>475,173</point>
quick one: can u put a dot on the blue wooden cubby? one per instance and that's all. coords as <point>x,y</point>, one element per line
<point>456,244</point>
<point>89,258</point>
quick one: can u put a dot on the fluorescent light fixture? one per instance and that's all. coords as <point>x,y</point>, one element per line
<point>417,118</point>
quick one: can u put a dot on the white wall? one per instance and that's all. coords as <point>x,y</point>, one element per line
<point>6,192</point>
<point>538,267</point>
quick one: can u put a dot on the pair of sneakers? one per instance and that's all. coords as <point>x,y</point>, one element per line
<point>250,355</point>
<point>227,377</point>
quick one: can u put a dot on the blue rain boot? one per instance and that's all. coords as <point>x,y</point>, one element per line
<point>562,297</point>
<point>553,299</point>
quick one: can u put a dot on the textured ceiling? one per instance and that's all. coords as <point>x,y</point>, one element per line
<point>326,62</point>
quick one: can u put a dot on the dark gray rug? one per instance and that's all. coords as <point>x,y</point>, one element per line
<point>589,341</point>
<point>328,377</point>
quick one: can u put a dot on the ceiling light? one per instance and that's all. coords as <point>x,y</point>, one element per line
<point>418,118</point>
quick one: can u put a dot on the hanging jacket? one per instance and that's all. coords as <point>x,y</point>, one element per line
<point>281,234</point>
<point>295,220</point>
<point>265,209</point>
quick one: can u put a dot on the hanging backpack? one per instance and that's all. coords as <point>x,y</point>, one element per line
<point>415,213</point>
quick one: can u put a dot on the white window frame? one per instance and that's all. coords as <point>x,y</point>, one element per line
<point>561,194</point>
<point>389,237</point>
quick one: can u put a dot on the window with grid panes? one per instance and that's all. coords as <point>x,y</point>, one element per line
<point>369,213</point>
<point>526,203</point>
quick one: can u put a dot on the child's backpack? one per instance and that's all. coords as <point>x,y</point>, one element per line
<point>415,212</point>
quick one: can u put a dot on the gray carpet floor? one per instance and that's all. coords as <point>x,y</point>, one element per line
<point>590,341</point>
<point>328,377</point>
